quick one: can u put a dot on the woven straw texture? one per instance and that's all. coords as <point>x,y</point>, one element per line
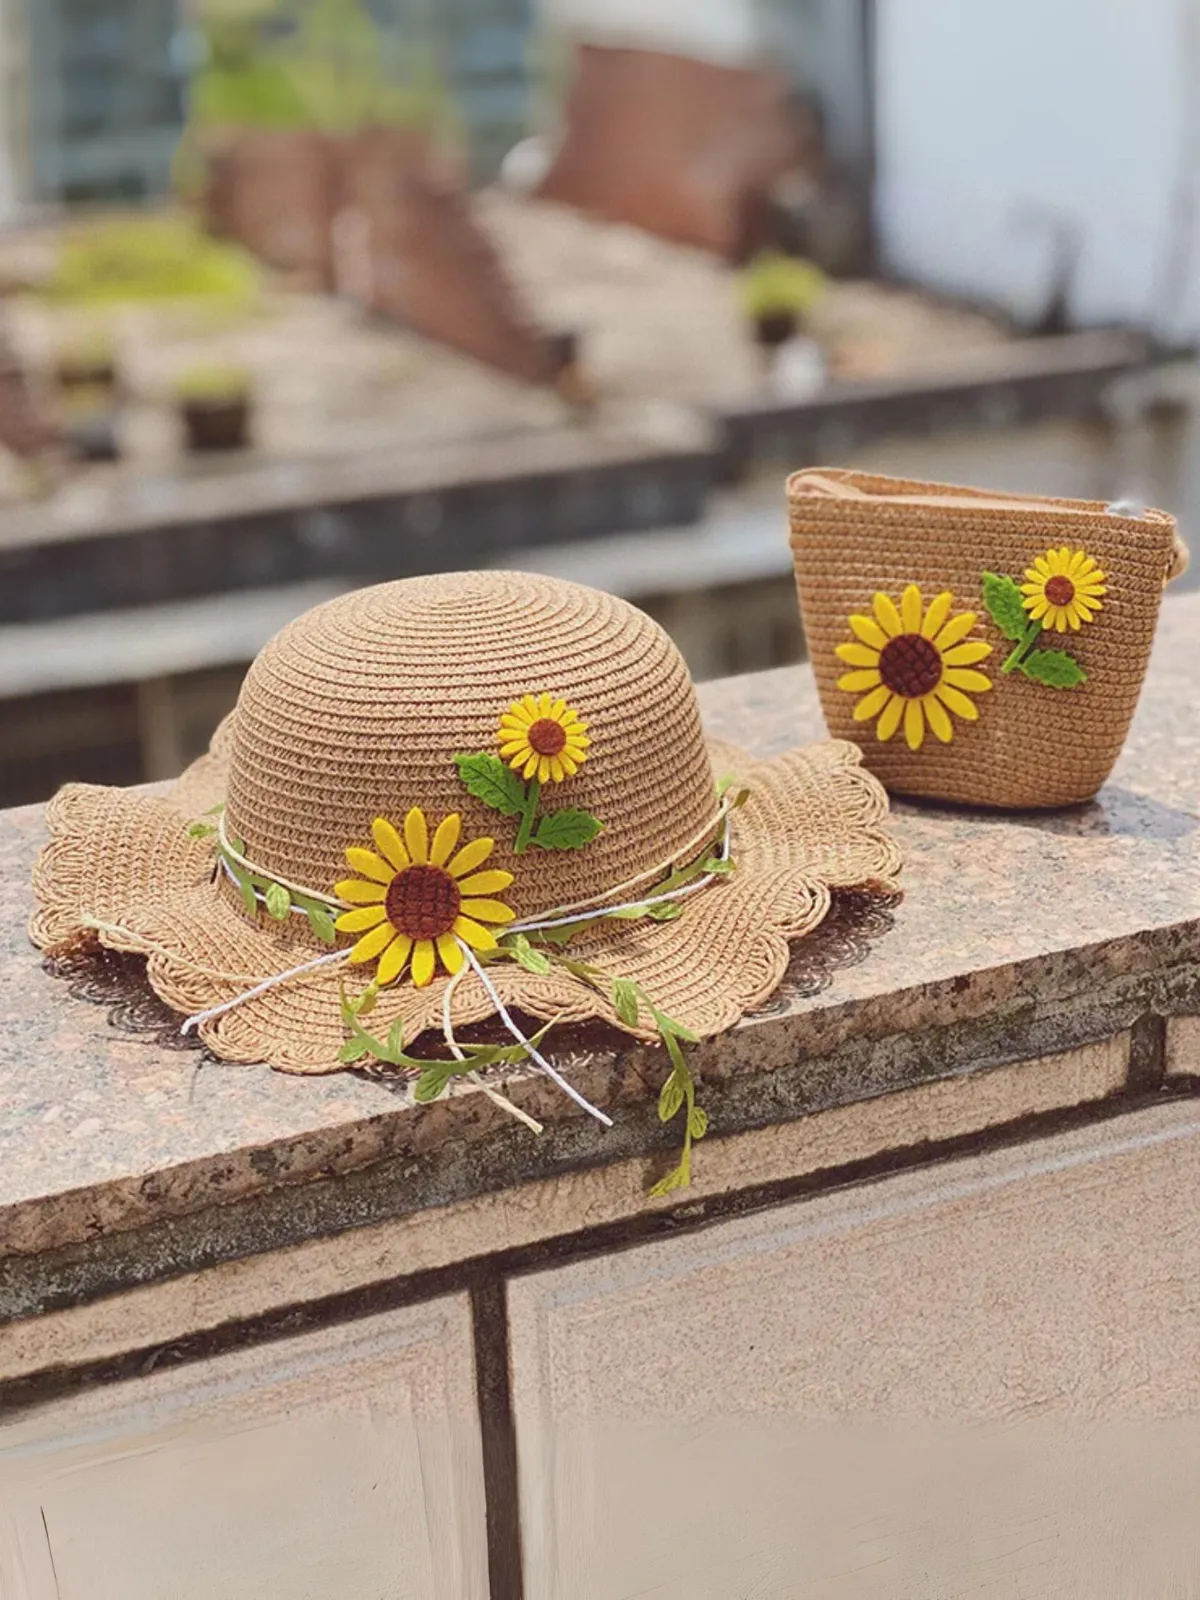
<point>854,534</point>
<point>357,710</point>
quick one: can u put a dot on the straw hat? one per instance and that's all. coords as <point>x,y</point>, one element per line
<point>436,793</point>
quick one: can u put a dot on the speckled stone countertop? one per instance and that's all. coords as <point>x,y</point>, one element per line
<point>1017,936</point>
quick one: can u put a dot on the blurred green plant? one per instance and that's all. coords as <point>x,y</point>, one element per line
<point>149,258</point>
<point>214,384</point>
<point>774,285</point>
<point>320,64</point>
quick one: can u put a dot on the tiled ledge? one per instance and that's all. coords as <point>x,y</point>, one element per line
<point>1061,941</point>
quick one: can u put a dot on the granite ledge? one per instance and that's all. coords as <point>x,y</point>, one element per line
<point>125,1160</point>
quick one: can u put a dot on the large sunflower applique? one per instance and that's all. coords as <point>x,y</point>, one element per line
<point>914,666</point>
<point>417,897</point>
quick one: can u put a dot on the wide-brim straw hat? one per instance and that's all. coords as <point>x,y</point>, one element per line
<point>369,722</point>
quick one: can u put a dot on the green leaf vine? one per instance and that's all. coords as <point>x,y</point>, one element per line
<point>256,889</point>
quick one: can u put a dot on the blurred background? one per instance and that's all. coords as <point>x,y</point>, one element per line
<point>297,295</point>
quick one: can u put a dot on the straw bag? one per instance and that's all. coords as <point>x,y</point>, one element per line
<point>983,648</point>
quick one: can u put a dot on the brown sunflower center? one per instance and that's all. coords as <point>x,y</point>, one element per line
<point>1060,591</point>
<point>910,665</point>
<point>547,736</point>
<point>422,902</point>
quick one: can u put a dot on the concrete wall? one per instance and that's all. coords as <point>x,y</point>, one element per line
<point>994,117</point>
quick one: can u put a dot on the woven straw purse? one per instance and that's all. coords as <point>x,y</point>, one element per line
<point>983,648</point>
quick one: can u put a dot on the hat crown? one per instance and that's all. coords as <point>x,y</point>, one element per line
<point>358,709</point>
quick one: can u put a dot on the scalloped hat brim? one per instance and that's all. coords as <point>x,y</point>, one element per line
<point>124,859</point>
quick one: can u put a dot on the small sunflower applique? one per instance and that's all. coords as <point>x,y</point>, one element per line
<point>1063,591</point>
<point>421,900</point>
<point>914,666</point>
<point>541,740</point>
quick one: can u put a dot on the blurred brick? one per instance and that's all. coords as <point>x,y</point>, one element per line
<point>683,148</point>
<point>24,427</point>
<point>429,264</point>
<point>276,193</point>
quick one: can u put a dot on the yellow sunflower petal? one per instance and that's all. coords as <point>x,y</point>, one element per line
<point>1089,587</point>
<point>1060,619</point>
<point>966,655</point>
<point>1058,559</point>
<point>369,865</point>
<point>391,962</point>
<point>889,719</point>
<point>387,842</point>
<point>545,705</point>
<point>519,748</point>
<point>529,770</point>
<point>424,962</point>
<point>869,631</point>
<point>1089,605</point>
<point>558,710</point>
<point>872,703</point>
<point>911,606</point>
<point>935,715</point>
<point>572,724</point>
<point>956,629</point>
<point>530,705</point>
<point>857,655</point>
<point>1037,608</point>
<point>556,769</point>
<point>569,766</point>
<point>1077,563</point>
<point>450,951</point>
<point>359,921</point>
<point>471,856</point>
<point>939,610</point>
<point>545,769</point>
<point>493,882</point>
<point>518,715</point>
<point>914,725</point>
<point>580,739</point>
<point>487,910</point>
<point>1034,588</point>
<point>964,678</point>
<point>1037,581</point>
<point>416,836</point>
<point>445,839</point>
<point>373,944</point>
<point>957,702</point>
<point>359,893</point>
<point>1041,567</point>
<point>855,682</point>
<point>886,615</point>
<point>474,934</point>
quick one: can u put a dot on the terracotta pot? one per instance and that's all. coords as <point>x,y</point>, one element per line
<point>219,424</point>
<point>772,328</point>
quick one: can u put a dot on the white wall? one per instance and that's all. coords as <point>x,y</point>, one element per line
<point>725,31</point>
<point>989,110</point>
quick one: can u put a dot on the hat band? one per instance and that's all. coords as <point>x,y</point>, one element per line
<point>553,917</point>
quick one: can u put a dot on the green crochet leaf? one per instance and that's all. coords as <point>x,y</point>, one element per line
<point>625,1000</point>
<point>697,1122</point>
<point>532,960</point>
<point>320,920</point>
<point>249,898</point>
<point>1005,605</point>
<point>278,901</point>
<point>670,1098</point>
<point>490,780</point>
<point>566,830</point>
<point>1055,668</point>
